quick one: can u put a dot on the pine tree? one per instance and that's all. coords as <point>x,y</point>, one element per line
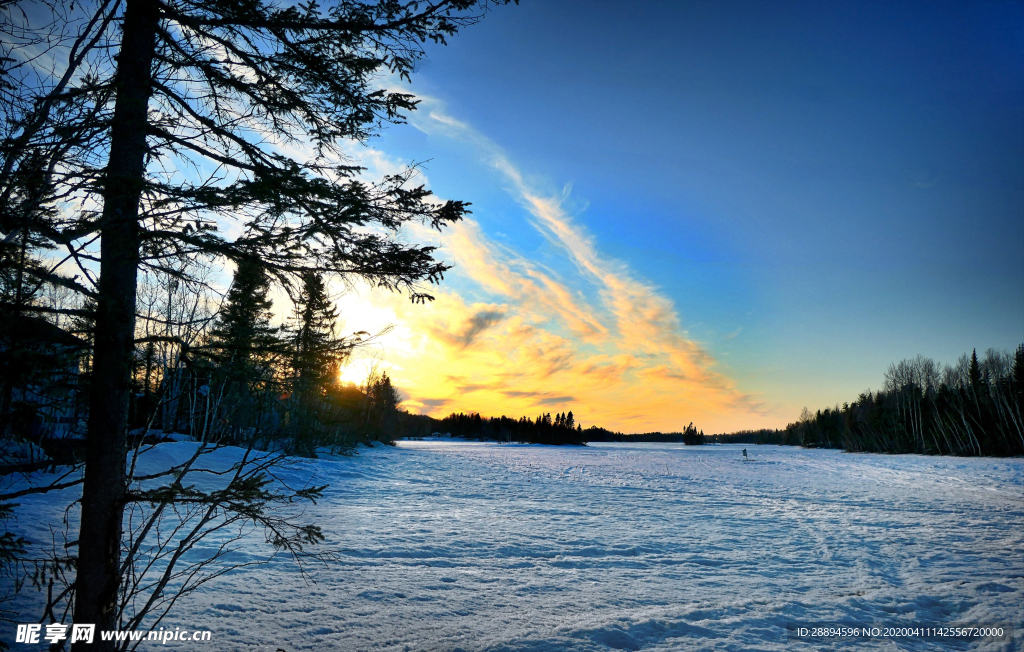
<point>381,408</point>
<point>386,397</point>
<point>317,351</point>
<point>974,374</point>
<point>242,335</point>
<point>246,348</point>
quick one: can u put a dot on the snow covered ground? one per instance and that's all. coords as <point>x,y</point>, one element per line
<point>452,545</point>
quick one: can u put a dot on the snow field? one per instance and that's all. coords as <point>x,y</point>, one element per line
<point>447,545</point>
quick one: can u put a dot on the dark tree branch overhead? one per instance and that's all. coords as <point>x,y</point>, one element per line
<point>225,81</point>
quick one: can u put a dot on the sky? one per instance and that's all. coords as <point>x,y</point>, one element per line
<point>707,212</point>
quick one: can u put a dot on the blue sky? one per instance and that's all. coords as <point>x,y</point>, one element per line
<point>813,190</point>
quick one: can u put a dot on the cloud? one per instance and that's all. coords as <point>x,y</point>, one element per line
<point>601,341</point>
<point>518,394</point>
<point>433,403</point>
<point>478,323</point>
<point>555,400</point>
<point>733,334</point>
<point>468,389</point>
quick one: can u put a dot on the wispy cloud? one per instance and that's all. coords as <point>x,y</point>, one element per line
<point>620,358</point>
<point>463,336</point>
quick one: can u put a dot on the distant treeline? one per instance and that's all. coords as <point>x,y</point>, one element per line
<point>690,436</point>
<point>560,430</point>
<point>763,436</point>
<point>973,407</point>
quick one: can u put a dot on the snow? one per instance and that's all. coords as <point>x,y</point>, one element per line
<point>449,545</point>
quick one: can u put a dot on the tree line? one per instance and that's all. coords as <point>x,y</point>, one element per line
<point>972,407</point>
<point>560,430</point>
<point>237,380</point>
<point>689,436</point>
<point>275,385</point>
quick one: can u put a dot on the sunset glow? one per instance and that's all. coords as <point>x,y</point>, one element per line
<point>519,338</point>
<point>754,237</point>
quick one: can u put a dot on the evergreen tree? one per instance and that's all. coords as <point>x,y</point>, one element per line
<point>974,374</point>
<point>242,335</point>
<point>381,410</point>
<point>386,397</point>
<point>245,347</point>
<point>317,351</point>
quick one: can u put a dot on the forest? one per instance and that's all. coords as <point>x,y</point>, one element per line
<point>971,407</point>
<point>215,372</point>
<point>560,430</point>
<point>689,436</point>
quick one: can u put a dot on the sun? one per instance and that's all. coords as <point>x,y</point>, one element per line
<point>355,372</point>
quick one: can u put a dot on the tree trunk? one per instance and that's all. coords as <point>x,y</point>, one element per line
<point>99,543</point>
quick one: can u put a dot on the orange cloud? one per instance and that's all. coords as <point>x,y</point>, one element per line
<point>621,359</point>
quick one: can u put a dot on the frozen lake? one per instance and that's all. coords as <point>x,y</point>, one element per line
<point>448,545</point>
<point>483,546</point>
